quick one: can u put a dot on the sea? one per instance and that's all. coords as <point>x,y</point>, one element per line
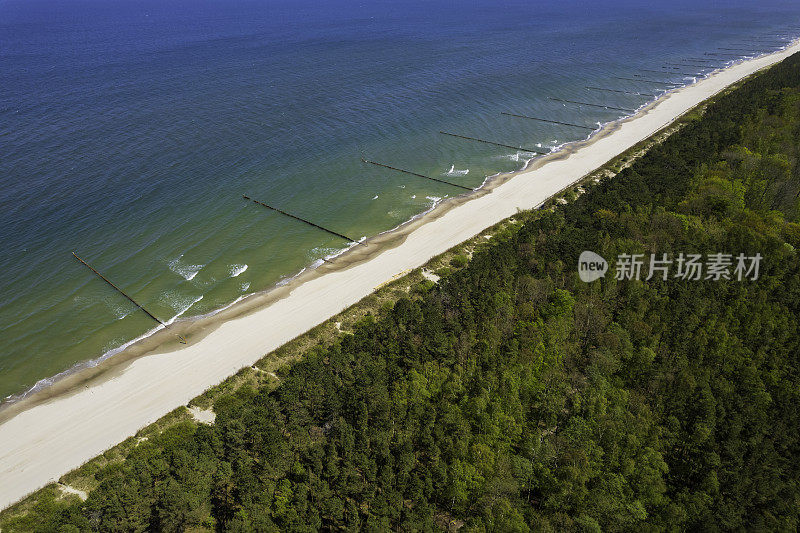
<point>131,129</point>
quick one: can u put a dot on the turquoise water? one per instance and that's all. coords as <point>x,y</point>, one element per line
<point>130,130</point>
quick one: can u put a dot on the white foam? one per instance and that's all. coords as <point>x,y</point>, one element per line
<point>287,279</point>
<point>117,305</point>
<point>46,382</point>
<point>235,270</point>
<point>513,157</point>
<point>326,251</point>
<point>185,307</point>
<point>187,272</point>
<point>454,172</point>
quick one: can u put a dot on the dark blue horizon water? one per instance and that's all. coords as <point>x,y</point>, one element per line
<point>130,129</point>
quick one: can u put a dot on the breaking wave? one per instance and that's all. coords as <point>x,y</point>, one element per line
<point>187,272</point>
<point>454,172</point>
<point>235,270</point>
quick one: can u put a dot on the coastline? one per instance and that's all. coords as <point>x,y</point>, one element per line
<point>46,438</point>
<point>159,337</point>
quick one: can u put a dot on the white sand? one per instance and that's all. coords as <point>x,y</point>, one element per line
<point>40,444</point>
<point>66,489</point>
<point>204,416</point>
<point>430,276</point>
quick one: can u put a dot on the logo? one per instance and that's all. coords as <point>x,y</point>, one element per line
<point>692,267</point>
<point>591,266</point>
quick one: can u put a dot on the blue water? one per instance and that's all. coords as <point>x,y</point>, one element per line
<point>130,129</point>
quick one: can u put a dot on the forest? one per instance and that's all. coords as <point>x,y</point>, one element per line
<point>512,396</point>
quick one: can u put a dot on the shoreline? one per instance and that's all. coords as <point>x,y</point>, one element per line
<point>47,435</point>
<point>158,337</point>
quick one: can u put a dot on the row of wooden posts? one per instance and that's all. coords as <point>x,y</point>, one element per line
<point>702,63</point>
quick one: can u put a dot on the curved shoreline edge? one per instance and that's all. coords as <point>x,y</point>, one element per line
<point>44,439</point>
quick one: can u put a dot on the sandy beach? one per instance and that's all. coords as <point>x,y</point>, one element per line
<point>42,440</point>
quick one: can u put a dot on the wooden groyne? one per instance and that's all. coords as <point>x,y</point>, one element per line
<point>549,121</point>
<point>702,63</point>
<point>416,174</point>
<point>768,43</point>
<point>695,74</point>
<point>345,237</point>
<point>639,77</point>
<point>647,80</point>
<point>495,143</point>
<point>137,304</point>
<point>619,91</point>
<point>181,338</point>
<point>592,105</point>
<point>695,65</point>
